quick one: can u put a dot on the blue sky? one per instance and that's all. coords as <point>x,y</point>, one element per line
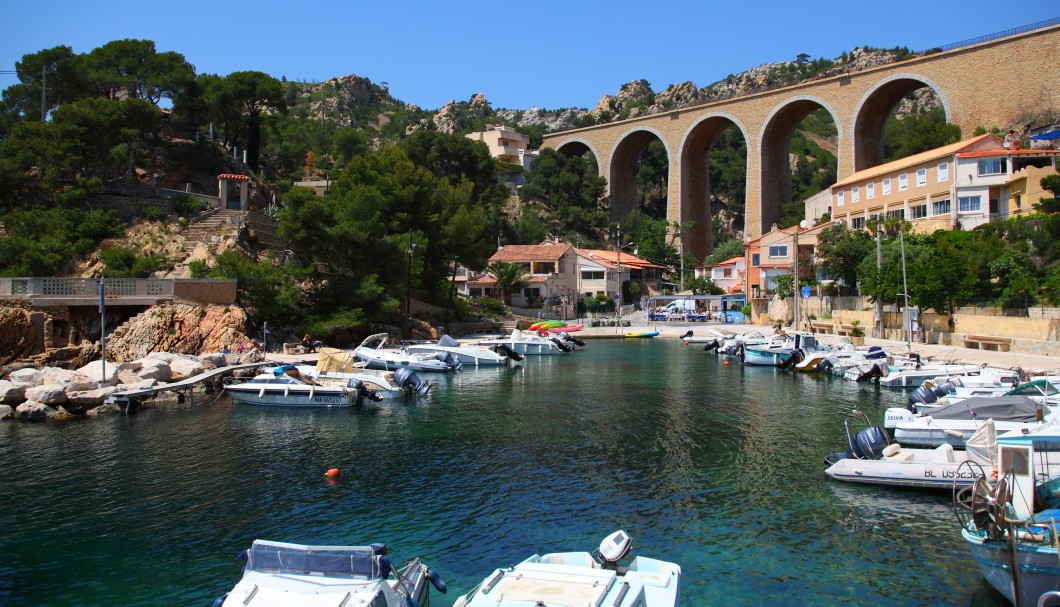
<point>547,53</point>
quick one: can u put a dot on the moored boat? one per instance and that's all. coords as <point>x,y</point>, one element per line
<point>641,334</point>
<point>473,356</point>
<point>581,578</point>
<point>281,574</point>
<point>529,344</point>
<point>1010,524</point>
<point>375,356</point>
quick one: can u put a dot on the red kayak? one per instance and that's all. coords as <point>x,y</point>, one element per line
<point>566,329</point>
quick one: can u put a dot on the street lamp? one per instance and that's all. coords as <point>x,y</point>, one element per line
<point>408,285</point>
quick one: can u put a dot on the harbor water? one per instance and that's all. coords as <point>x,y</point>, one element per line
<point>716,467</point>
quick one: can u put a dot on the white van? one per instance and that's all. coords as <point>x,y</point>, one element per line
<point>681,306</point>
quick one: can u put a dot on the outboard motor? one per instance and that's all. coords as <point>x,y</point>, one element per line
<point>408,380</point>
<point>449,359</point>
<point>896,415</point>
<point>385,566</point>
<point>574,340</point>
<point>711,346</point>
<point>510,353</point>
<point>867,444</point>
<point>823,366</point>
<point>562,346</point>
<point>688,334</point>
<point>874,374</point>
<point>943,389</point>
<point>362,391</point>
<point>795,358</point>
<point>924,395</point>
<point>740,352</point>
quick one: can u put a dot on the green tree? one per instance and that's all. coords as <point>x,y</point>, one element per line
<point>571,189</point>
<point>511,277</point>
<point>724,251</point>
<point>239,100</point>
<point>785,286</point>
<point>840,252</point>
<point>134,69</point>
<point>917,132</point>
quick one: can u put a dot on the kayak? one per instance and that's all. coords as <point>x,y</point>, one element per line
<point>644,334</point>
<point>548,324</point>
<point>566,329</point>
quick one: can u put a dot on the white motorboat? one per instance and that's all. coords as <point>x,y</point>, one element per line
<point>839,359</point>
<point>581,578</point>
<point>1010,524</point>
<point>299,386</point>
<point>908,374</point>
<point>528,343</point>
<point>729,343</point>
<point>472,356</point>
<point>279,574</point>
<point>956,422</point>
<point>869,459</point>
<point>375,356</point>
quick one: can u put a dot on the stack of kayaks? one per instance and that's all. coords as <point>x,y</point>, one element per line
<point>554,326</point>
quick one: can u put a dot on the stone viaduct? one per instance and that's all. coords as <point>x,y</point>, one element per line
<point>990,84</point>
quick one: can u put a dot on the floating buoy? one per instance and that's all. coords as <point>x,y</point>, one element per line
<point>332,473</point>
<point>726,363</point>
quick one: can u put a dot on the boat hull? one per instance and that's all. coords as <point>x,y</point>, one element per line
<point>1037,567</point>
<point>292,398</point>
<point>918,475</point>
<point>526,348</point>
<point>465,356</point>
<point>765,358</point>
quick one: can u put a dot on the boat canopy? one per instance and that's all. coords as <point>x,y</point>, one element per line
<point>448,342</point>
<point>1006,408</point>
<point>982,446</point>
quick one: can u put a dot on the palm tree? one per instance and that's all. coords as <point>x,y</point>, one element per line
<point>510,277</point>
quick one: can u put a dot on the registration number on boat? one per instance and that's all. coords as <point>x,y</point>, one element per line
<point>328,400</point>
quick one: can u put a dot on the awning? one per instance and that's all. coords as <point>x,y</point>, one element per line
<point>1047,136</point>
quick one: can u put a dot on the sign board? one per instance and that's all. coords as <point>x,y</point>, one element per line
<point>806,292</point>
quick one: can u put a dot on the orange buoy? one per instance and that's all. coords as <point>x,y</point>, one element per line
<point>726,363</point>
<point>332,473</point>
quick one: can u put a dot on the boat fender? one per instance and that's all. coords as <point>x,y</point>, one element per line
<point>385,567</point>
<point>220,600</point>
<point>437,582</point>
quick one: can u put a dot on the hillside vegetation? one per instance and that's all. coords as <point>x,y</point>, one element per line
<point>410,197</point>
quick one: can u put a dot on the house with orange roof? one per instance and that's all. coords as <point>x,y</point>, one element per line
<point>773,254</point>
<point>603,271</point>
<point>728,275</point>
<point>956,186</point>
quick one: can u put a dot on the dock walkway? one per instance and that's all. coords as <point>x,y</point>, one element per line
<point>139,394</point>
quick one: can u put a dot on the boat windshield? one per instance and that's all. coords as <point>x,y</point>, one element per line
<point>346,562</point>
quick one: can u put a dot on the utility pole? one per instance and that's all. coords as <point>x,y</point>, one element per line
<point>905,291</point>
<point>798,289</point>
<point>43,92</point>
<point>618,256</point>
<point>879,268</point>
<point>102,335</point>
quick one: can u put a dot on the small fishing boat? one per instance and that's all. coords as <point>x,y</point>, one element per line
<point>581,578</point>
<point>372,353</point>
<point>641,334</point>
<point>300,386</point>
<point>1010,523</point>
<point>790,351</point>
<point>279,574</point>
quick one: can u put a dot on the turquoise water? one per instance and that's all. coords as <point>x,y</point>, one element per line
<point>715,467</point>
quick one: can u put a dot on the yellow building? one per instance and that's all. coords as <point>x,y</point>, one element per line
<point>958,186</point>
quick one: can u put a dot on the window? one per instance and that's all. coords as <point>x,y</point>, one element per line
<point>839,198</point>
<point>1019,202</point>
<point>870,191</point>
<point>918,211</point>
<point>778,250</point>
<point>755,260</point>
<point>886,183</point>
<point>967,204</point>
<point>943,171</point>
<point>992,166</point>
<point>921,178</point>
<point>995,206</point>
<point>858,223</point>
<point>940,207</point>
<point>592,274</point>
<point>903,182</point>
<point>855,195</point>
<point>726,273</point>
<point>896,214</point>
<point>532,292</point>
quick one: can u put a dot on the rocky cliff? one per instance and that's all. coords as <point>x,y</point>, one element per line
<point>178,328</point>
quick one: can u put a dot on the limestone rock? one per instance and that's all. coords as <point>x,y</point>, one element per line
<point>97,372</point>
<point>6,412</point>
<point>184,368</point>
<point>48,394</point>
<point>104,409</point>
<point>214,360</point>
<point>12,392</point>
<point>81,402</point>
<point>34,410</point>
<point>32,377</point>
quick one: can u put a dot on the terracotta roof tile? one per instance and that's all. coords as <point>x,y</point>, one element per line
<point>534,252</point>
<point>941,152</point>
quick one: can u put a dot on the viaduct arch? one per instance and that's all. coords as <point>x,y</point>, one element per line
<point>987,84</point>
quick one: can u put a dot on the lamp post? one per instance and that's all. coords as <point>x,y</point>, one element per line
<point>408,285</point>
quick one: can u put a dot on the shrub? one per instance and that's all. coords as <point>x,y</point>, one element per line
<point>492,306</point>
<point>185,204</point>
<point>153,212</point>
